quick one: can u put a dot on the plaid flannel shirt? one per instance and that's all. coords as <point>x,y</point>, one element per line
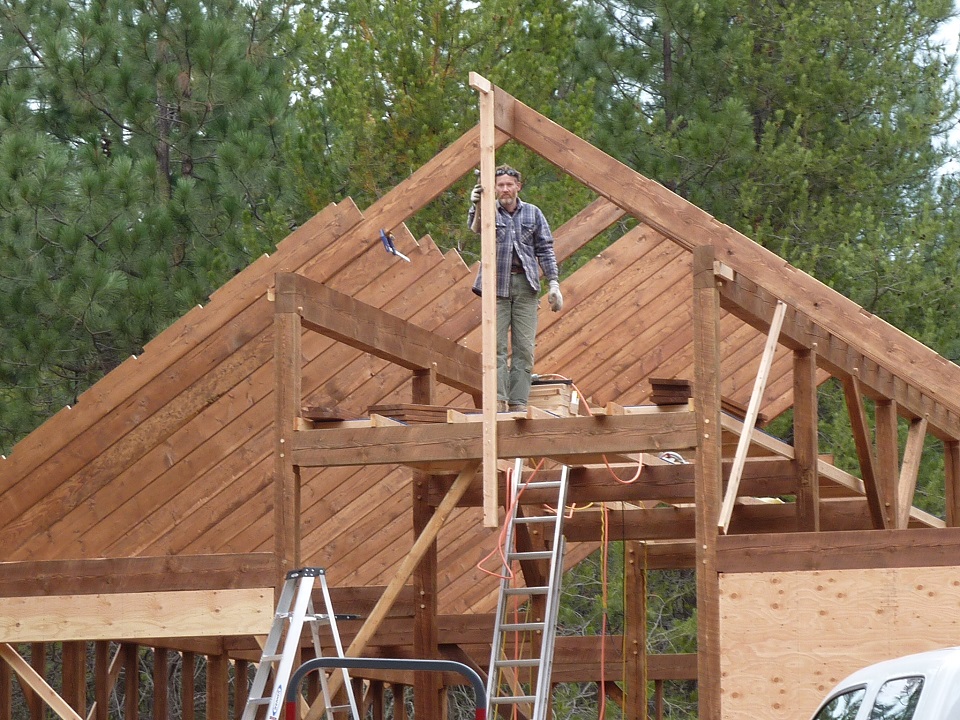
<point>527,232</point>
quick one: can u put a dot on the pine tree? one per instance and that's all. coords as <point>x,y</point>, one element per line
<point>383,87</point>
<point>139,147</point>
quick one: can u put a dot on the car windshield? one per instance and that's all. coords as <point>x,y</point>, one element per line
<point>844,706</point>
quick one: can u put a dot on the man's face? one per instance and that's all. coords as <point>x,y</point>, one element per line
<point>507,190</point>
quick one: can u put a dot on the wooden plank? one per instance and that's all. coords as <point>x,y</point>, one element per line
<point>133,575</point>
<point>556,437</point>
<point>488,317</point>
<point>30,678</point>
<point>806,439</point>
<point>706,325</point>
<point>288,395</point>
<point>733,482</point>
<point>184,613</point>
<point>907,482</point>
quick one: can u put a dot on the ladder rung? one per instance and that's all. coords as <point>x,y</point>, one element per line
<point>525,662</point>
<point>270,658</point>
<point>541,485</point>
<point>510,627</point>
<point>532,555</point>
<point>513,699</point>
<point>534,590</point>
<point>258,701</point>
<point>537,519</point>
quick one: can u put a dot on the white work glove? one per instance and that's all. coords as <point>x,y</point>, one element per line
<point>475,194</point>
<point>554,297</point>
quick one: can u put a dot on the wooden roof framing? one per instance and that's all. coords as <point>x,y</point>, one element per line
<point>169,463</point>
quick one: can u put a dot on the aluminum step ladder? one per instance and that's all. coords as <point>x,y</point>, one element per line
<point>294,608</point>
<point>521,680</point>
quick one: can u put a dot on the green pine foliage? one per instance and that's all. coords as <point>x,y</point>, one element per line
<point>139,147</point>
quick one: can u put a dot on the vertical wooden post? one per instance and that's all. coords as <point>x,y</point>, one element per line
<point>951,472</point>
<point>218,682</point>
<point>805,439</point>
<point>131,681</point>
<point>427,688</point>
<point>6,691</point>
<point>488,322</point>
<point>706,395</point>
<point>635,631</point>
<point>161,684</point>
<point>288,390</point>
<point>38,661</point>
<point>888,457</point>
<point>188,686</point>
<point>241,685</point>
<point>909,469</point>
<point>74,690</point>
<point>101,683</point>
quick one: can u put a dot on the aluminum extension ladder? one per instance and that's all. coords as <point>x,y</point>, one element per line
<point>293,609</point>
<point>524,679</point>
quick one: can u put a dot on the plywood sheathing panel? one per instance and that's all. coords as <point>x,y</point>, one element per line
<point>808,630</point>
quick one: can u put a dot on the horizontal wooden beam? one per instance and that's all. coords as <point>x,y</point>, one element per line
<point>919,547</point>
<point>561,438</point>
<point>129,616</point>
<point>136,575</point>
<point>669,483</point>
<point>377,332</point>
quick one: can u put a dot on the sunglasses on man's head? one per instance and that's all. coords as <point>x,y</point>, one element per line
<point>511,173</point>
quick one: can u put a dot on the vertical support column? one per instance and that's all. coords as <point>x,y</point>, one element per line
<point>241,684</point>
<point>488,289</point>
<point>888,458</point>
<point>74,690</point>
<point>287,329</point>
<point>101,683</point>
<point>428,694</point>
<point>188,686</point>
<point>38,661</point>
<point>951,481</point>
<point>805,439</point>
<point>218,683</point>
<point>6,691</point>
<point>635,631</point>
<point>131,681</point>
<point>161,684</point>
<point>706,395</point>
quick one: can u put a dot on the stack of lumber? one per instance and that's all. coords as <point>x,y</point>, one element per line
<point>670,391</point>
<point>555,398</point>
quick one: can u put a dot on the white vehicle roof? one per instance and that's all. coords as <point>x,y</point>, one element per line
<point>940,697</point>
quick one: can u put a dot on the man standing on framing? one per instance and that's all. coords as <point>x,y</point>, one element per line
<point>524,241</point>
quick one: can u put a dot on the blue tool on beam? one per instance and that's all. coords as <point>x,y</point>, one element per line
<point>387,239</point>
